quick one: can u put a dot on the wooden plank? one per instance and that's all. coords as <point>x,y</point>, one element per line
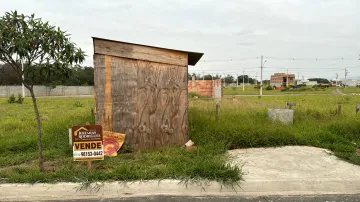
<point>139,52</point>
<point>149,102</point>
<point>99,86</point>
<point>124,99</point>
<point>107,119</point>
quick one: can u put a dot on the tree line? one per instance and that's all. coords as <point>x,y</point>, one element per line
<point>78,76</point>
<point>84,76</point>
<point>228,78</point>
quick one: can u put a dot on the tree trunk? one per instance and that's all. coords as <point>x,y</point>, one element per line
<point>39,129</point>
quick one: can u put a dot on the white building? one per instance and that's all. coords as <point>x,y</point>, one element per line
<point>351,82</point>
<point>306,82</point>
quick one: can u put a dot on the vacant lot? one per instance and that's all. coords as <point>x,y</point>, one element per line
<point>18,150</point>
<point>242,124</point>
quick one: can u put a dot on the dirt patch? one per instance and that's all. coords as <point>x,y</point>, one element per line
<point>51,166</point>
<point>358,152</point>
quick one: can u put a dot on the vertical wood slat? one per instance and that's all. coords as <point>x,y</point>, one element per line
<point>107,119</point>
<point>99,87</point>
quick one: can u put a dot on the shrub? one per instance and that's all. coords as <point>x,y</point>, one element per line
<point>285,89</point>
<point>269,88</point>
<point>20,99</point>
<point>11,99</point>
<point>193,94</point>
<point>78,104</point>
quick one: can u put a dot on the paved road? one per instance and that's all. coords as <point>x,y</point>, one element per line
<point>319,198</point>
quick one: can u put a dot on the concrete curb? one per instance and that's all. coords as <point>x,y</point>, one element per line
<point>108,190</point>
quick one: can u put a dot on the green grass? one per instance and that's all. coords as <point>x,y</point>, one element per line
<point>250,90</point>
<point>18,150</point>
<point>244,124</point>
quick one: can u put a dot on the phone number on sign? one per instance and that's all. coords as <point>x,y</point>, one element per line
<point>95,153</point>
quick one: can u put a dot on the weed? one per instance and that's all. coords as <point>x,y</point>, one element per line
<point>193,94</point>
<point>20,99</point>
<point>11,99</point>
<point>78,104</point>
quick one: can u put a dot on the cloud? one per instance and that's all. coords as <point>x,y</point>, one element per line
<point>245,43</point>
<point>222,30</point>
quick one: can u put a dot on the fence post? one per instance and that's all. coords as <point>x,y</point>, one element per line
<point>217,111</point>
<point>339,109</point>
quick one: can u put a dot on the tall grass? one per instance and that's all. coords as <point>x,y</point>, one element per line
<point>18,150</point>
<point>245,124</point>
<point>242,124</point>
<point>250,90</point>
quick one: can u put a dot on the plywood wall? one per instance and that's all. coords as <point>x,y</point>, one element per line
<point>145,100</point>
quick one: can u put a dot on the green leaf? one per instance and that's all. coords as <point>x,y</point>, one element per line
<point>53,47</point>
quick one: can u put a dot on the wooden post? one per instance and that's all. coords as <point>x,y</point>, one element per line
<point>339,109</point>
<point>217,111</point>
<point>88,161</point>
<point>70,137</point>
<point>92,111</point>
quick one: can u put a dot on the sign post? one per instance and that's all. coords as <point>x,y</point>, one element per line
<point>87,143</point>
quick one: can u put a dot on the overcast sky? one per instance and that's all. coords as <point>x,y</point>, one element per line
<point>241,30</point>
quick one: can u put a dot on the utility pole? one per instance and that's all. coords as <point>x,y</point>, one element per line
<point>298,78</point>
<point>224,80</point>
<point>261,74</point>
<point>346,73</point>
<point>287,78</point>
<point>237,80</point>
<point>337,79</point>
<point>243,80</point>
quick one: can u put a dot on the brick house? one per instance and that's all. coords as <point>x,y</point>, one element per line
<point>280,80</point>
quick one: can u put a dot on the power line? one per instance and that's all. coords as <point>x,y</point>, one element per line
<point>281,58</point>
<point>230,60</point>
<point>313,59</point>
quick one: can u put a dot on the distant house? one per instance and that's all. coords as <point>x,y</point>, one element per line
<point>306,82</point>
<point>282,80</point>
<point>351,82</point>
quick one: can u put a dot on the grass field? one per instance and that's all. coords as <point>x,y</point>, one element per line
<point>18,150</point>
<point>250,90</point>
<point>317,123</point>
<point>242,124</point>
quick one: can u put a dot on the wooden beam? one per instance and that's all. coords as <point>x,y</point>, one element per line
<point>139,52</point>
<point>107,124</point>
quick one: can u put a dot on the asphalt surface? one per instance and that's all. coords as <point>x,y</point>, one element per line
<point>315,198</point>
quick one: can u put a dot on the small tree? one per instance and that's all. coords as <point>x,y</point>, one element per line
<point>45,50</point>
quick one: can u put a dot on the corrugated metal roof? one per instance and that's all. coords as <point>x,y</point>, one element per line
<point>193,57</point>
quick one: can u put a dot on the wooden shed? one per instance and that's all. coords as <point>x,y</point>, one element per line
<point>142,91</point>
